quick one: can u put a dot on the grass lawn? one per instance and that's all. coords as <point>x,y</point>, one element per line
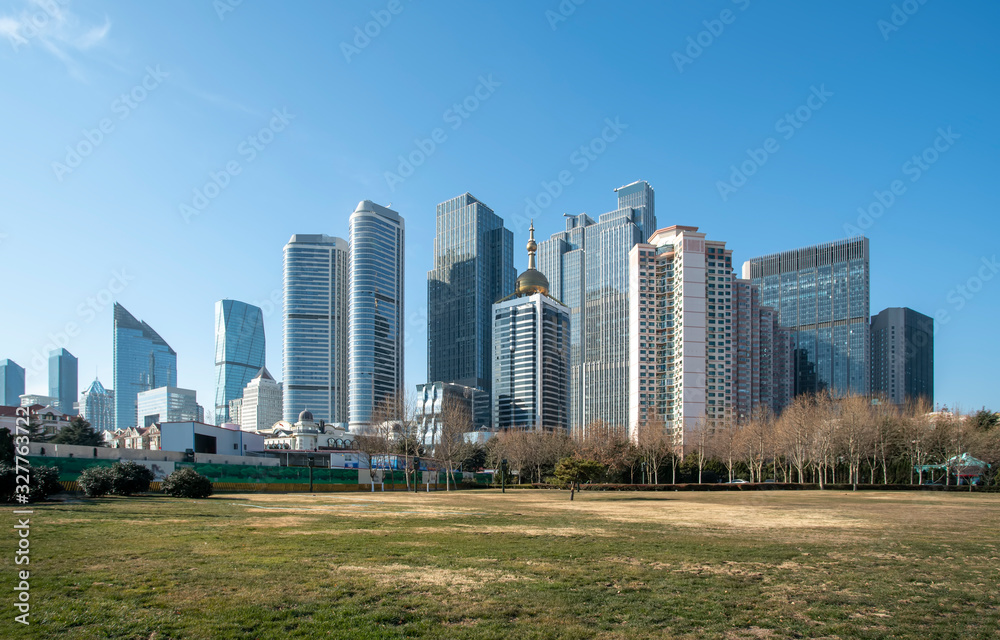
<point>528,564</point>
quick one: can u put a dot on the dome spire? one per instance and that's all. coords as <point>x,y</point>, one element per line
<point>532,245</point>
<point>531,281</point>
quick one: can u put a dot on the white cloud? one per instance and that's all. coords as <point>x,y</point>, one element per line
<point>53,27</point>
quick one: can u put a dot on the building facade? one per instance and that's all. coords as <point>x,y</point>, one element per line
<point>239,351</point>
<point>473,268</point>
<point>314,357</point>
<point>167,404</point>
<point>821,293</point>
<point>63,380</point>
<point>531,355</point>
<point>763,372</point>
<point>11,383</point>
<point>375,328</point>
<point>97,406</point>
<point>902,355</point>
<point>142,361</point>
<point>431,399</point>
<point>587,267</point>
<point>262,402</point>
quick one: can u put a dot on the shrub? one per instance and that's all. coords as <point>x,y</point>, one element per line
<point>130,477</point>
<point>42,482</point>
<point>187,483</point>
<point>95,481</point>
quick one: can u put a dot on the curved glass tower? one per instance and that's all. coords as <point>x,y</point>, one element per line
<point>314,355</point>
<point>142,361</point>
<point>239,351</point>
<point>375,330</point>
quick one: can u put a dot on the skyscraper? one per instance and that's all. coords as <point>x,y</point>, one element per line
<point>261,406</point>
<point>375,330</point>
<point>142,361</point>
<point>702,351</point>
<point>531,340</point>
<point>902,355</point>
<point>314,357</point>
<point>97,406</point>
<point>587,266</point>
<point>239,351</point>
<point>11,383</point>
<point>63,383</point>
<point>822,294</point>
<point>473,268</point>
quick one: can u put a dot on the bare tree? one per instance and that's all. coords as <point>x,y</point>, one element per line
<point>654,444</point>
<point>451,446</point>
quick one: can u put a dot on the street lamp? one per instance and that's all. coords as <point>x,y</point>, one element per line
<point>310,473</point>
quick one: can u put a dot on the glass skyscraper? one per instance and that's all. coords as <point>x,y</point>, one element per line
<point>902,355</point>
<point>821,293</point>
<point>97,406</point>
<point>314,357</point>
<point>375,330</point>
<point>587,268</point>
<point>473,268</point>
<point>63,384</point>
<point>11,383</point>
<point>239,351</point>
<point>142,361</point>
<point>168,404</point>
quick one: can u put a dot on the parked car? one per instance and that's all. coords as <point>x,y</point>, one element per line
<point>738,481</point>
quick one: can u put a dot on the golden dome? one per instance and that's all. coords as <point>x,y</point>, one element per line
<point>531,281</point>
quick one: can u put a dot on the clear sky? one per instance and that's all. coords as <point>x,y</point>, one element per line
<point>115,113</point>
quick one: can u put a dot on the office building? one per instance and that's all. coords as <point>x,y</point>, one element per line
<point>431,398</point>
<point>167,404</point>
<point>763,372</point>
<point>314,359</point>
<point>821,293</point>
<point>902,355</point>
<point>11,383</point>
<point>262,402</point>
<point>142,361</point>
<point>375,330</point>
<point>239,351</point>
<point>63,383</point>
<point>531,355</point>
<point>473,268</point>
<point>97,406</point>
<point>587,267</point>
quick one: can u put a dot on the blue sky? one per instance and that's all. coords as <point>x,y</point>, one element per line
<point>116,113</point>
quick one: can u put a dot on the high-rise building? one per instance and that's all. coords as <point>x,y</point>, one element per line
<point>261,406</point>
<point>821,293</point>
<point>587,266</point>
<point>239,351</point>
<point>902,355</point>
<point>63,384</point>
<point>473,268</point>
<point>11,383</point>
<point>702,350</point>
<point>142,361</point>
<point>97,406</point>
<point>375,330</point>
<point>168,404</point>
<point>236,411</point>
<point>531,352</point>
<point>314,359</point>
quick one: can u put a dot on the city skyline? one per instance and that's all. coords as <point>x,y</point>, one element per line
<point>893,99</point>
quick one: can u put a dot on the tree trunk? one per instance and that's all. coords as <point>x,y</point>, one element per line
<point>572,490</point>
